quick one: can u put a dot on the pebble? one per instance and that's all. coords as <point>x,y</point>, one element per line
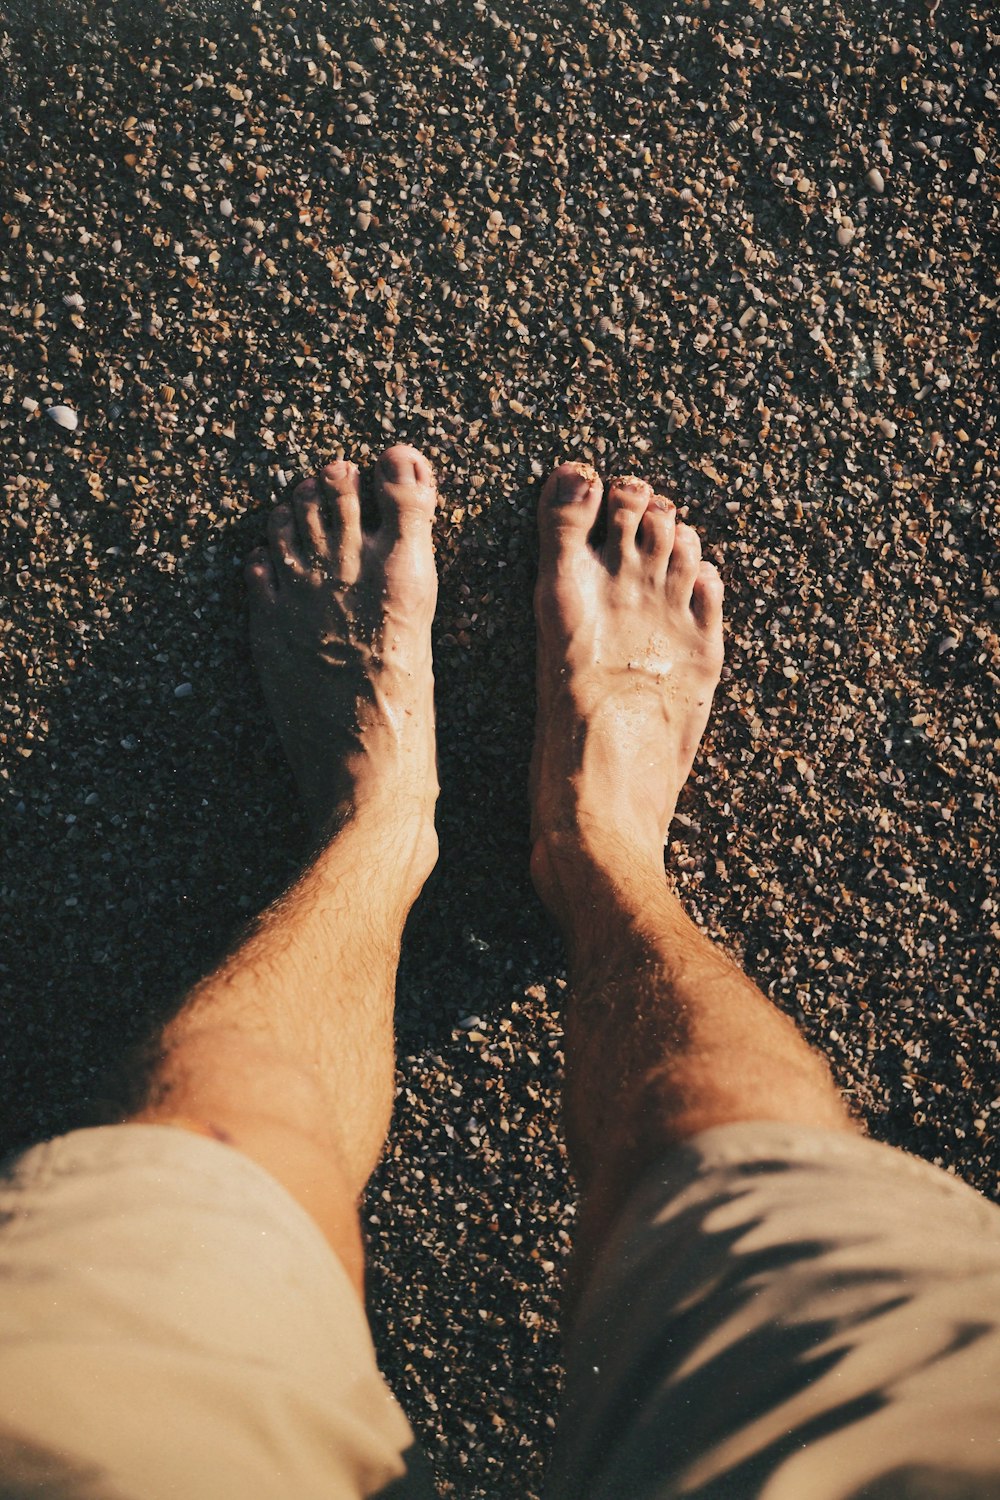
<point>183,690</point>
<point>875,180</point>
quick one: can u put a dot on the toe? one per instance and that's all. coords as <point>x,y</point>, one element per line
<point>309,520</point>
<point>568,507</point>
<point>283,539</point>
<point>706,596</point>
<point>628,499</point>
<point>685,557</point>
<point>342,488</point>
<point>405,491</point>
<point>656,533</point>
<point>259,573</point>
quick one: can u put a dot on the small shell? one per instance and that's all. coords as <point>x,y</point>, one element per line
<point>878,359</point>
<point>63,416</point>
<point>73,300</point>
<point>875,180</point>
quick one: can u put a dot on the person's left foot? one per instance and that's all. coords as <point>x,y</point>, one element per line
<point>341,633</point>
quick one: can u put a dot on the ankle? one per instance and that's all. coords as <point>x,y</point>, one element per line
<point>391,845</point>
<point>589,870</point>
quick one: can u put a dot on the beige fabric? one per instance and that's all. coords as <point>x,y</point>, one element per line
<point>173,1326</point>
<point>790,1314</point>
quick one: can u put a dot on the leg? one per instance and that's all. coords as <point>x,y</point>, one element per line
<point>665,1037</point>
<point>286,1052</point>
<point>780,1306</point>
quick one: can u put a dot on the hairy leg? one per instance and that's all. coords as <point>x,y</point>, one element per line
<point>665,1036</point>
<point>287,1051</point>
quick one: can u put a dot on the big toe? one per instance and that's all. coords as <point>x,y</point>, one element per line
<point>406,492</point>
<point>568,507</point>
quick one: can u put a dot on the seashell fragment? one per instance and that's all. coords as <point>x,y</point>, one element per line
<point>63,416</point>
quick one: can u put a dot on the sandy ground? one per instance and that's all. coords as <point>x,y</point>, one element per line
<point>748,251</point>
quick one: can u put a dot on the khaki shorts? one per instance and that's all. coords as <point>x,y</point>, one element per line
<point>783,1313</point>
<point>791,1314</point>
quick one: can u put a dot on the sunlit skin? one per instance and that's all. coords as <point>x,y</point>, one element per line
<point>629,653</point>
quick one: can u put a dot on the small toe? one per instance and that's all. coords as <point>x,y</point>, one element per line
<point>684,559</point>
<point>656,532</point>
<point>310,521</point>
<point>341,483</point>
<point>283,539</point>
<point>405,490</point>
<point>568,507</point>
<point>628,499</point>
<point>262,584</point>
<point>706,596</point>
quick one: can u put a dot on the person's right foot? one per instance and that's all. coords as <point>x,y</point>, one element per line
<point>629,654</point>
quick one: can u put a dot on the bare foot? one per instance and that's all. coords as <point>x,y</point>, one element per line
<point>629,654</point>
<point>341,633</point>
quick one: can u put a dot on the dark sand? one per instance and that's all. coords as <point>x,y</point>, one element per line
<point>508,238</point>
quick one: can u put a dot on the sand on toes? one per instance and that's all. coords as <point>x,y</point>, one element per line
<point>340,623</point>
<point>629,655</point>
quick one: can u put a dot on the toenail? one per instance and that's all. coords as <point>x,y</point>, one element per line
<point>570,474</point>
<point>667,506</point>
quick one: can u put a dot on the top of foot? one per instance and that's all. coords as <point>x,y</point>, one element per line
<point>629,655</point>
<point>341,633</point>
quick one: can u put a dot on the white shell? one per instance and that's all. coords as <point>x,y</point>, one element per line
<point>875,180</point>
<point>73,300</point>
<point>63,416</point>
